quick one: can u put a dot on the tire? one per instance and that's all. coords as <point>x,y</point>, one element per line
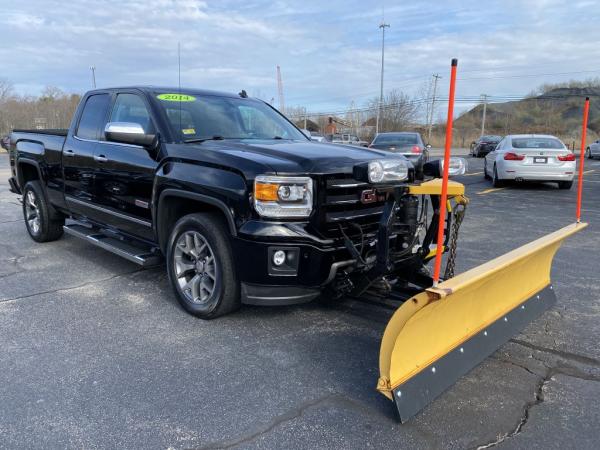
<point>485,174</point>
<point>195,241</point>
<point>43,225</point>
<point>565,184</point>
<point>496,182</point>
<point>588,153</point>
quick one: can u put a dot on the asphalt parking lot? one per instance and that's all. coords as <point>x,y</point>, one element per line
<point>96,353</point>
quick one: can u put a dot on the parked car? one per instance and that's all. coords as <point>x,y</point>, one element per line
<point>530,157</point>
<point>484,145</point>
<point>348,139</point>
<point>593,150</point>
<point>315,136</point>
<point>239,202</point>
<point>409,144</point>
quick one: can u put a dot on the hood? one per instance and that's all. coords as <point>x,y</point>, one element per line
<point>296,157</point>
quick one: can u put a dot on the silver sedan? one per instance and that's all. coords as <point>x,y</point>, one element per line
<point>593,151</point>
<point>535,157</point>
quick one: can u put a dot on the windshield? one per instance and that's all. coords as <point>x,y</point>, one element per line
<point>490,138</point>
<point>535,142</point>
<point>193,117</point>
<point>396,139</point>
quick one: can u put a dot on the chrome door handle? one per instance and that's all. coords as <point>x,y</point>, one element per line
<point>100,158</point>
<point>69,153</point>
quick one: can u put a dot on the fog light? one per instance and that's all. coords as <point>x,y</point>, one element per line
<point>279,257</point>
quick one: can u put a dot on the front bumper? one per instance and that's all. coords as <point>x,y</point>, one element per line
<point>318,262</point>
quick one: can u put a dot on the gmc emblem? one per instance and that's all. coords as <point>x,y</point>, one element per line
<point>368,196</point>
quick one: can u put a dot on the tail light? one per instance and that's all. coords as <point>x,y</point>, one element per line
<point>567,157</point>
<point>415,149</point>
<point>513,157</point>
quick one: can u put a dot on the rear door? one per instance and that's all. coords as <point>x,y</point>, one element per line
<point>78,155</point>
<point>124,173</point>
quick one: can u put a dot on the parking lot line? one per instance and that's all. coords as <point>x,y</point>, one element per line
<point>487,191</point>
<point>471,174</point>
<point>589,171</point>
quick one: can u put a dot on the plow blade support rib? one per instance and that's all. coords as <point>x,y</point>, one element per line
<point>440,334</point>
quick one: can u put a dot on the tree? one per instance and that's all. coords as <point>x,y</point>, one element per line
<point>398,111</point>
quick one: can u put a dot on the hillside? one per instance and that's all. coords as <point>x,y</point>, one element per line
<point>558,111</point>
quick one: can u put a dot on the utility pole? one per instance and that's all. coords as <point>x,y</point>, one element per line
<point>93,69</point>
<point>436,77</point>
<point>484,100</point>
<point>305,117</point>
<point>383,26</point>
<point>280,91</point>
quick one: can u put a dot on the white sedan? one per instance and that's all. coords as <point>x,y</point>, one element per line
<point>534,157</point>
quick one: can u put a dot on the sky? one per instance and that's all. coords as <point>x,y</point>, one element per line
<point>329,51</point>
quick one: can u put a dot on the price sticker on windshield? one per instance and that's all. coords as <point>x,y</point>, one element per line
<point>176,98</point>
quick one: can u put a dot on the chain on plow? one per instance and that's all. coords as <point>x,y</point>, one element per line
<point>458,214</point>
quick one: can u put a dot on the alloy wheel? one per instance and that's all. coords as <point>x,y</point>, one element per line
<point>195,267</point>
<point>32,212</point>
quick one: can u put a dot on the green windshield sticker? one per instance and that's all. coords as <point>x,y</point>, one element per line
<point>176,98</point>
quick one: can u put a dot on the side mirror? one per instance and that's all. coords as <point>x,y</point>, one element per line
<point>128,133</point>
<point>458,166</point>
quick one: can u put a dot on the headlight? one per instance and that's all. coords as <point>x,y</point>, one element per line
<point>283,197</point>
<point>457,166</point>
<point>388,170</point>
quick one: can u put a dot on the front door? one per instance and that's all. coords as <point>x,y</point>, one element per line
<point>124,173</point>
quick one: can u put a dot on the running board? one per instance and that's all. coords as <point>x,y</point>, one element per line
<point>134,252</point>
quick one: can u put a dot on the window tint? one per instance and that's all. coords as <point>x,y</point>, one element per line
<point>93,116</point>
<point>397,139</point>
<point>131,108</point>
<point>537,142</point>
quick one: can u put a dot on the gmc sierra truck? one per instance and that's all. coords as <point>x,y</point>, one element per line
<point>238,202</point>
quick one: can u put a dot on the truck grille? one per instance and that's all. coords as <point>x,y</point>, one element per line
<point>342,208</point>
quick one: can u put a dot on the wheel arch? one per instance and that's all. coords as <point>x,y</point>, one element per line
<point>28,170</point>
<point>175,203</point>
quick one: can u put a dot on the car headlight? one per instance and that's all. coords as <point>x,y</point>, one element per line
<point>387,170</point>
<point>283,197</point>
<point>457,166</point>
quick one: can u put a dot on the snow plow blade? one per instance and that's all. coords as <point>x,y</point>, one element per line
<point>442,333</point>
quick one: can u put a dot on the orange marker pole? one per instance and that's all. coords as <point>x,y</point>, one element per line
<point>444,196</point>
<point>586,111</point>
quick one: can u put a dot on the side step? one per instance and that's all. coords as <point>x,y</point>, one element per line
<point>134,252</point>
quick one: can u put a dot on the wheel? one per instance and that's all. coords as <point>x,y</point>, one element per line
<point>565,184</point>
<point>588,153</point>
<point>200,266</point>
<point>496,182</point>
<point>42,224</point>
<point>485,173</point>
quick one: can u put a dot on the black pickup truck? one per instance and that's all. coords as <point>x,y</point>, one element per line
<point>243,206</point>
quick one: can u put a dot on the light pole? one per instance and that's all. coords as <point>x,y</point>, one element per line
<point>484,99</point>
<point>436,77</point>
<point>93,69</point>
<point>383,26</point>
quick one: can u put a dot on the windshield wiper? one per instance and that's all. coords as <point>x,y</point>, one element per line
<point>198,140</point>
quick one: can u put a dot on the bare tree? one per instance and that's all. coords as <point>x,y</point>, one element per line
<point>398,111</point>
<point>6,90</point>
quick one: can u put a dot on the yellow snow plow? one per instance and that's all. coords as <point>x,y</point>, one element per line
<point>440,334</point>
